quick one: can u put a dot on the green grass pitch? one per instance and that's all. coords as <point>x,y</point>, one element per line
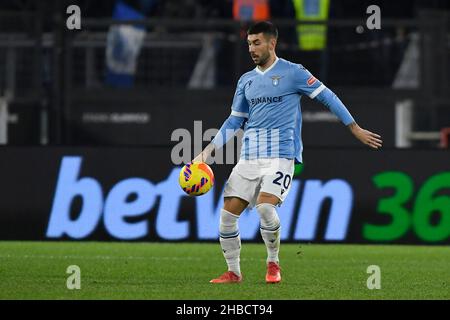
<point>172,271</point>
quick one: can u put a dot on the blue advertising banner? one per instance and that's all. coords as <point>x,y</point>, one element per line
<point>132,194</point>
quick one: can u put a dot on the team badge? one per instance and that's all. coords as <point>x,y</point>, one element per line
<point>275,80</point>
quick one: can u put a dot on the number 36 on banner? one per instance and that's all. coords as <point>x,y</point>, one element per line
<point>432,198</point>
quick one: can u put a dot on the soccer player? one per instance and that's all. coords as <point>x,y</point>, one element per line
<point>267,103</point>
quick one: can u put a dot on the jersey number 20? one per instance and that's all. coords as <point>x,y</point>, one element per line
<point>286,181</point>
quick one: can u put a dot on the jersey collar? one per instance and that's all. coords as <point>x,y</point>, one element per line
<point>269,68</point>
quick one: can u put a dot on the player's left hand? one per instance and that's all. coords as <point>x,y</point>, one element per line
<point>371,139</point>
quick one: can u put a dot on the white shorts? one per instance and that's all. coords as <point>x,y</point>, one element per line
<point>250,177</point>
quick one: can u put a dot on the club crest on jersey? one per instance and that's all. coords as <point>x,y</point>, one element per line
<point>275,80</point>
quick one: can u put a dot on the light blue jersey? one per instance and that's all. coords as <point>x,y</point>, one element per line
<point>268,102</point>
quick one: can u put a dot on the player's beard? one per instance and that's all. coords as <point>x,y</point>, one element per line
<point>262,60</point>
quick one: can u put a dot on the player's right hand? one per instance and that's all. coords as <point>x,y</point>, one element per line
<point>205,154</point>
<point>198,158</point>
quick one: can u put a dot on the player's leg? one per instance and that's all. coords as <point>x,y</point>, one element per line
<point>270,232</point>
<point>230,239</point>
<point>274,189</point>
<point>234,205</point>
<point>240,192</point>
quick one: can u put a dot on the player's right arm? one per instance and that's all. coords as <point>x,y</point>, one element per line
<point>239,113</point>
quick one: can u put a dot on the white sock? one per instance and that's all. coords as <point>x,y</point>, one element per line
<point>230,240</point>
<point>270,230</point>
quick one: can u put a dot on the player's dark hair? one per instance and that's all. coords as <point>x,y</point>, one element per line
<point>265,27</point>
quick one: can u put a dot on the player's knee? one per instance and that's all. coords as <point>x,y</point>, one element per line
<point>228,224</point>
<point>268,215</point>
<point>234,205</point>
<point>268,198</point>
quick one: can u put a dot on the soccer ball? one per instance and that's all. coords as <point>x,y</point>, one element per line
<point>196,178</point>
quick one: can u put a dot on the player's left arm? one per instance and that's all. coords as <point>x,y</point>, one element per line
<point>329,99</point>
<point>307,84</point>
